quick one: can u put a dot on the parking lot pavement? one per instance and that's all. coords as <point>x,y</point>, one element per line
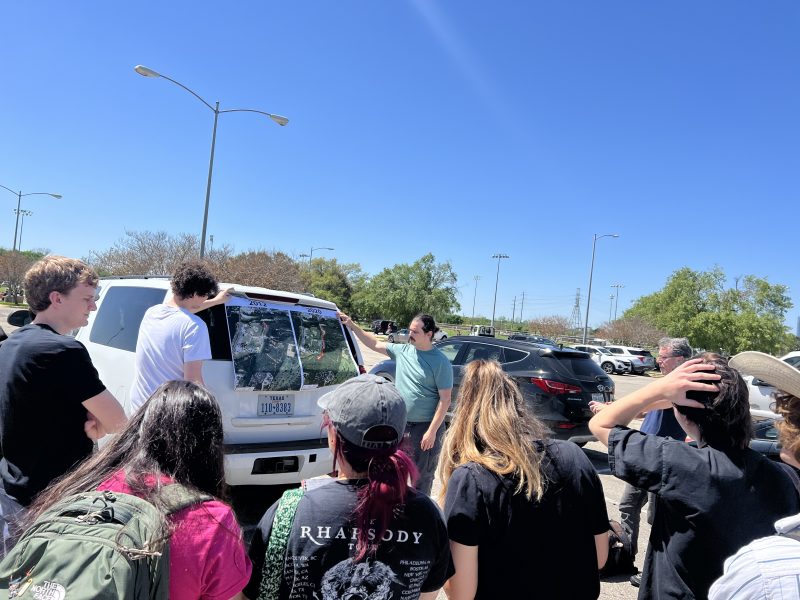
<point>4,312</point>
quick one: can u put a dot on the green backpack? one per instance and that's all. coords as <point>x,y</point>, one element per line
<point>94,545</point>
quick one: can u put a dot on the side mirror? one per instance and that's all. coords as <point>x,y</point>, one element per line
<point>20,318</point>
<point>758,382</point>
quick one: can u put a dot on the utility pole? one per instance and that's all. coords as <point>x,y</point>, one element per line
<point>498,256</point>
<point>475,295</point>
<point>521,307</point>
<point>514,310</point>
<point>616,297</point>
<point>610,306</point>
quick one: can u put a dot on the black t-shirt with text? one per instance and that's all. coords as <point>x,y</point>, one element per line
<point>44,379</point>
<point>530,549</point>
<point>709,503</point>
<point>414,556</point>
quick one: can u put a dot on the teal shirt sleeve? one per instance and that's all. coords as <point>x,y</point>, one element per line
<point>444,373</point>
<point>390,350</point>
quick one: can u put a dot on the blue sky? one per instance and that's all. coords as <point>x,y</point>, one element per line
<point>461,128</point>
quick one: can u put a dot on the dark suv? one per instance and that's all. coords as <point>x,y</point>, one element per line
<point>558,384</point>
<point>383,326</point>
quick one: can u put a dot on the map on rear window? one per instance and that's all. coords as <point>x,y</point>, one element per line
<point>280,348</point>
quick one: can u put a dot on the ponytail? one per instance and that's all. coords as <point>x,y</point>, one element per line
<point>390,474</point>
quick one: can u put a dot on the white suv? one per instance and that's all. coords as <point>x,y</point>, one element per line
<point>273,355</point>
<point>760,392</point>
<point>607,361</point>
<point>641,359</point>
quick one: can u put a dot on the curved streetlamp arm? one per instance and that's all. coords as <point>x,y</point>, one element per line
<point>277,118</point>
<point>10,190</point>
<point>192,92</point>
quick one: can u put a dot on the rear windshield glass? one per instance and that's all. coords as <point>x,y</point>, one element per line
<point>277,347</point>
<point>640,353</point>
<point>583,367</point>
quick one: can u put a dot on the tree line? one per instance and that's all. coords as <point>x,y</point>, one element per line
<point>699,305</point>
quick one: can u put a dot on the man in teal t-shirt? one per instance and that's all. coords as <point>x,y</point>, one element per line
<point>424,377</point>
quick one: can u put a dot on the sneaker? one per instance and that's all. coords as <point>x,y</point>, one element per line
<point>636,580</point>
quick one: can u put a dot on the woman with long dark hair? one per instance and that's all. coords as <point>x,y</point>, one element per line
<point>366,532</point>
<point>175,437</point>
<point>526,515</point>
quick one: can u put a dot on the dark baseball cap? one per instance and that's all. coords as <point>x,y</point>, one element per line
<point>362,407</point>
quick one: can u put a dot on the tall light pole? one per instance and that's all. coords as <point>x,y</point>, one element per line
<point>591,272</point>
<point>616,297</point>
<point>22,213</point>
<point>310,255</point>
<point>499,257</point>
<point>145,72</point>
<point>19,196</point>
<point>610,306</point>
<point>475,295</point>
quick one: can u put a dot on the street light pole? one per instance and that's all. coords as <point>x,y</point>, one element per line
<point>475,295</point>
<point>591,273</point>
<point>146,72</point>
<point>616,298</point>
<point>310,255</point>
<point>499,257</point>
<point>19,196</point>
<point>610,306</point>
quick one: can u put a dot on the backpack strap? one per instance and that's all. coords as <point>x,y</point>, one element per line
<point>177,497</point>
<point>272,572</point>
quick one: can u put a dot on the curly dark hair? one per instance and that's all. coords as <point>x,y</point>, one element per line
<point>725,421</point>
<point>194,277</point>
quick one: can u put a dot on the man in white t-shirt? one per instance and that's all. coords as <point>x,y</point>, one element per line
<point>173,342</point>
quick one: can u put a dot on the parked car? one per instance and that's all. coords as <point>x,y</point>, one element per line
<point>765,434</point>
<point>761,392</point>
<point>398,337</point>
<point>641,359</point>
<point>606,359</point>
<point>383,326</point>
<point>273,355</point>
<point>536,339</point>
<point>483,330</point>
<point>558,383</point>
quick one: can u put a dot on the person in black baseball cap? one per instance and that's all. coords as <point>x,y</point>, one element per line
<point>366,532</point>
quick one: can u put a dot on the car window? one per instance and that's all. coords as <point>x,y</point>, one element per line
<point>639,352</point>
<point>484,352</point>
<point>603,351</point>
<point>120,314</point>
<point>794,361</point>
<point>582,367</point>
<point>510,355</point>
<point>450,349</point>
<point>275,347</point>
<point>616,350</point>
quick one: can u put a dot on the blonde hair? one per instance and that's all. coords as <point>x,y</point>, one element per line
<point>493,428</point>
<point>55,274</point>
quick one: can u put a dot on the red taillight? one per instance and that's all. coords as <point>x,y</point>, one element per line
<point>361,369</point>
<point>566,425</point>
<point>555,387</point>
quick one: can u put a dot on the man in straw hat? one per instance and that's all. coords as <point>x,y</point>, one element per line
<point>770,567</point>
<point>710,499</point>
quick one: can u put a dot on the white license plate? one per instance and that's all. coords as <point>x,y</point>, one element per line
<point>275,405</point>
<point>599,397</point>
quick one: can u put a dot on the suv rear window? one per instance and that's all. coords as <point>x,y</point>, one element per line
<point>120,314</point>
<point>582,367</point>
<point>281,348</point>
<point>640,352</point>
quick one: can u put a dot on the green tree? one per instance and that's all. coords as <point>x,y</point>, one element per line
<point>13,266</point>
<point>331,280</point>
<point>402,291</point>
<point>697,305</point>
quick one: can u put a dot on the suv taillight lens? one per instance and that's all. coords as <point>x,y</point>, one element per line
<point>555,387</point>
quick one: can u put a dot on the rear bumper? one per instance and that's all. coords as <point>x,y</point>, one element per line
<point>276,463</point>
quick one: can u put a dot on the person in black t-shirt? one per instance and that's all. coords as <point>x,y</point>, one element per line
<point>365,533</point>
<point>52,403</point>
<point>526,516</point>
<point>710,499</point>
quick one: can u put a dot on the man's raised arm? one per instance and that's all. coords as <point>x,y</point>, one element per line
<point>369,340</point>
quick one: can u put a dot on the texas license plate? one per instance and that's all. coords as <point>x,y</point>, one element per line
<point>599,397</point>
<point>275,405</point>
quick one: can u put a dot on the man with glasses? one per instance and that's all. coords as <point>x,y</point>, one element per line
<point>672,352</point>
